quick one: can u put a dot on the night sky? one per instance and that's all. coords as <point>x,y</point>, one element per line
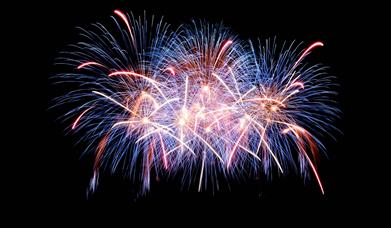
<point>61,176</point>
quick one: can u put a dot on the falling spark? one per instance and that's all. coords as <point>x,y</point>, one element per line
<point>79,117</point>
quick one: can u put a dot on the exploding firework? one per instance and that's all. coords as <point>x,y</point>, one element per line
<point>196,99</point>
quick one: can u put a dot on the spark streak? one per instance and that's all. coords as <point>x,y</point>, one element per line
<point>125,19</point>
<point>306,51</point>
<point>79,117</point>
<point>89,64</point>
<point>231,154</point>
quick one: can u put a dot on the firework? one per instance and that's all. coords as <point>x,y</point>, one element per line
<point>196,99</point>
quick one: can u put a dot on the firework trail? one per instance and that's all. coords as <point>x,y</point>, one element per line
<point>148,99</point>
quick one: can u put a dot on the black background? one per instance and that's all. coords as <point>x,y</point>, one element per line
<point>58,178</point>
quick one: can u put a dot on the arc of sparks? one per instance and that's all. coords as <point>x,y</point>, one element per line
<point>267,145</point>
<point>207,144</point>
<point>116,102</point>
<point>171,70</point>
<point>301,130</point>
<point>130,73</point>
<point>79,117</point>
<point>125,19</point>
<point>232,153</point>
<point>307,51</point>
<point>89,64</point>
<point>223,48</point>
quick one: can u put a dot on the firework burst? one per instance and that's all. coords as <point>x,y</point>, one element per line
<point>195,99</point>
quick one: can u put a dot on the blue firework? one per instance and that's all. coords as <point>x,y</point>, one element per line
<point>195,99</point>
